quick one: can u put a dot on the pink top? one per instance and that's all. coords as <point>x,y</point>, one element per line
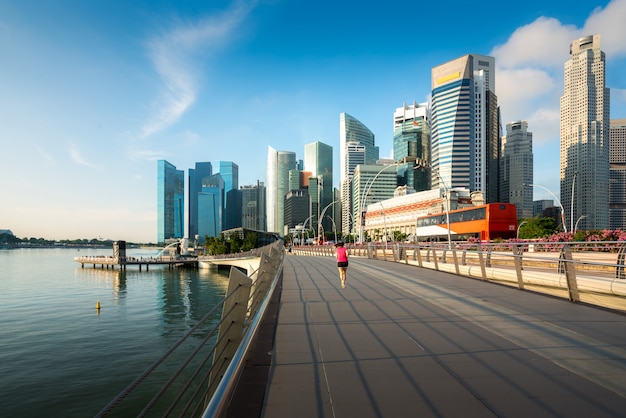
<point>342,254</point>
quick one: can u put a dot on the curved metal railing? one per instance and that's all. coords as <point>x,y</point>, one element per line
<point>205,376</point>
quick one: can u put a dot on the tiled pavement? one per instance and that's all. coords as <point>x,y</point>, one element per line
<point>400,341</point>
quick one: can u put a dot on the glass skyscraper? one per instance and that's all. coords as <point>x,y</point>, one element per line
<point>170,202</point>
<point>585,126</point>
<point>210,206</point>
<point>232,196</point>
<point>201,170</point>
<point>411,146</point>
<point>352,132</point>
<point>465,132</point>
<point>278,165</point>
<point>318,159</point>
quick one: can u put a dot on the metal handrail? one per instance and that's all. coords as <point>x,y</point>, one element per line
<point>219,400</point>
<point>202,389</point>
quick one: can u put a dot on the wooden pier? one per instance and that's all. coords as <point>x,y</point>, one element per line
<point>110,261</point>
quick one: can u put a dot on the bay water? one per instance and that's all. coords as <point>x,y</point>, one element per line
<point>59,355</point>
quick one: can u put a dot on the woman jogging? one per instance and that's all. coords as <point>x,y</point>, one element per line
<point>342,262</point>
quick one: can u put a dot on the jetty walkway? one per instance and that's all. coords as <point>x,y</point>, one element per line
<point>403,341</point>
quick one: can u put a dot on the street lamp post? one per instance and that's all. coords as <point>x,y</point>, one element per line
<point>578,220</point>
<point>557,200</point>
<point>519,226</point>
<point>367,188</point>
<point>445,188</point>
<point>324,212</point>
<point>334,227</point>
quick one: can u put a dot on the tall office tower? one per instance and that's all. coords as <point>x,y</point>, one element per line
<point>516,168</point>
<point>411,145</point>
<point>318,159</point>
<point>210,207</point>
<point>465,132</point>
<point>371,183</point>
<point>170,202</point>
<point>232,197</point>
<point>617,189</point>
<point>352,131</point>
<point>585,136</point>
<point>253,207</point>
<point>278,165</point>
<point>296,207</point>
<point>355,155</point>
<point>196,175</point>
<point>540,206</point>
<point>295,179</point>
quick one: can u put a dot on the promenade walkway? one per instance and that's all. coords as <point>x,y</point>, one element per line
<point>400,341</point>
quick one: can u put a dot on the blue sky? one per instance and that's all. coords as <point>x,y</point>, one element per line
<point>93,93</point>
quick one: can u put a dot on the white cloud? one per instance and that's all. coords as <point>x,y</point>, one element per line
<point>543,43</point>
<point>175,58</point>
<point>530,66</point>
<point>609,22</point>
<point>78,158</point>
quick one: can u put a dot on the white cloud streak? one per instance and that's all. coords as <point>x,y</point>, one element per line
<point>174,56</point>
<point>78,158</point>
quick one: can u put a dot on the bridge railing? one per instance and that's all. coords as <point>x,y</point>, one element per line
<point>590,272</point>
<point>197,375</point>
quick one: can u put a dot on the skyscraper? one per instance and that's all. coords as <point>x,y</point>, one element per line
<point>617,190</point>
<point>253,207</point>
<point>411,145</point>
<point>465,132</point>
<point>232,196</point>
<point>516,168</point>
<point>585,135</point>
<point>353,132</point>
<point>210,207</point>
<point>170,202</point>
<point>202,170</point>
<point>278,165</point>
<point>371,183</point>
<point>318,159</point>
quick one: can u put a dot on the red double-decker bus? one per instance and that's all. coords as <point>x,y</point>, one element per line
<point>485,222</point>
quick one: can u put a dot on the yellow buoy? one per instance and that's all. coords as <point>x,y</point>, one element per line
<point>98,305</point>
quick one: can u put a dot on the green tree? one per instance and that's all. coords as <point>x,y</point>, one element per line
<point>536,227</point>
<point>250,241</point>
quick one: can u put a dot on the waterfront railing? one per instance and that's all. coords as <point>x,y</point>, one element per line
<point>198,374</point>
<point>589,272</point>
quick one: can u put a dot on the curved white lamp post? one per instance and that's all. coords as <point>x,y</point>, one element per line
<point>557,200</point>
<point>367,188</point>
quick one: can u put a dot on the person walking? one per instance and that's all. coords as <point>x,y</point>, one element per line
<point>342,262</point>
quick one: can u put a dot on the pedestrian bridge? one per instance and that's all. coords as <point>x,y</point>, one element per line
<point>247,262</point>
<point>405,341</point>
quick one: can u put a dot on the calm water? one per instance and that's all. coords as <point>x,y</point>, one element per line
<point>59,356</point>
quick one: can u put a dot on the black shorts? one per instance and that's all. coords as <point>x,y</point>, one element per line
<point>342,264</point>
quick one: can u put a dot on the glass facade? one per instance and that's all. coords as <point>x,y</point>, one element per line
<point>170,202</point>
<point>232,202</point>
<point>201,170</point>
<point>411,146</point>
<point>210,206</point>
<point>465,131</point>
<point>279,163</point>
<point>352,133</point>
<point>318,159</point>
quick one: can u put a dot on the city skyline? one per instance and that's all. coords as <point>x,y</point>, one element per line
<point>94,96</point>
